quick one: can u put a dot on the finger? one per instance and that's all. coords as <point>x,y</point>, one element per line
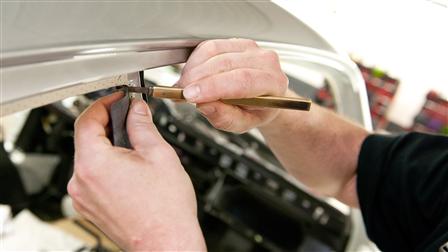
<point>142,132</point>
<point>212,48</point>
<point>238,83</point>
<point>260,59</point>
<point>95,110</point>
<point>227,117</point>
<point>90,126</point>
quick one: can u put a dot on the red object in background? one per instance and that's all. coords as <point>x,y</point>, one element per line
<point>324,97</point>
<point>433,117</point>
<point>381,89</point>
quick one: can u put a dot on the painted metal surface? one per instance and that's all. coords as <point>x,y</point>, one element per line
<point>49,47</point>
<point>31,25</point>
<point>52,50</point>
<point>32,85</point>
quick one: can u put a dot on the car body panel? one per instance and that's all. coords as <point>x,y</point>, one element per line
<point>53,50</point>
<point>49,24</point>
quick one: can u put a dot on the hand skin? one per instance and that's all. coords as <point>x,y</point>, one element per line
<point>142,198</point>
<point>318,147</point>
<point>235,68</point>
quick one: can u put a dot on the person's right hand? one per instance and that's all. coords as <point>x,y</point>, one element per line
<point>232,68</point>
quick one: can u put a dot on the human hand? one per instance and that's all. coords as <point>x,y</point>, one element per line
<point>142,198</point>
<point>232,68</point>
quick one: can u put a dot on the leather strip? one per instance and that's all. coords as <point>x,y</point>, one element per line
<point>118,113</point>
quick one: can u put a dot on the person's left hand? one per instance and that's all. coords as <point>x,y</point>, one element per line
<point>142,198</point>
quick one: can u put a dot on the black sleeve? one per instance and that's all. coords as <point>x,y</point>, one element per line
<point>402,184</point>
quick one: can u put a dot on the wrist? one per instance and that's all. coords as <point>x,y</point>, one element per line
<point>275,124</point>
<point>180,236</point>
<point>282,119</point>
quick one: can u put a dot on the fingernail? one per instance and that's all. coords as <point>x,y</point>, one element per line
<point>140,108</point>
<point>207,110</point>
<point>191,92</point>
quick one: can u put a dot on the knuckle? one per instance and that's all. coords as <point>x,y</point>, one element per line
<point>191,76</point>
<point>83,125</point>
<point>270,56</point>
<point>244,81</point>
<point>283,81</point>
<point>223,123</point>
<point>226,63</point>
<point>286,80</point>
<point>249,42</point>
<point>81,122</point>
<point>201,44</point>
<point>252,43</point>
<point>209,89</point>
<point>243,76</point>
<point>141,123</point>
<point>280,83</point>
<point>210,48</point>
<point>184,79</point>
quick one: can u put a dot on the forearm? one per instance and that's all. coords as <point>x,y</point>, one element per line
<point>319,148</point>
<point>181,237</point>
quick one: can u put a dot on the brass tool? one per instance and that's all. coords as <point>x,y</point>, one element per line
<point>260,101</point>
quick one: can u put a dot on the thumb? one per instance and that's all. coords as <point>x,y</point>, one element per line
<point>142,132</point>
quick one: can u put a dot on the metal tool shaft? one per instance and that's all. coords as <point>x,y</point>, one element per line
<point>260,101</point>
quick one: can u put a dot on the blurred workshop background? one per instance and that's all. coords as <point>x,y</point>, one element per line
<point>246,200</point>
<point>401,48</point>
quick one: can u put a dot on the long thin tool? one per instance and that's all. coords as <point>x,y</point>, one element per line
<point>260,101</point>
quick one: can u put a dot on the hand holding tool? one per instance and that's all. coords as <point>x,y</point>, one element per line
<point>260,101</point>
<point>118,111</point>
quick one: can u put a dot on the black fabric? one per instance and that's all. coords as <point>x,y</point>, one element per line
<point>403,191</point>
<point>12,191</point>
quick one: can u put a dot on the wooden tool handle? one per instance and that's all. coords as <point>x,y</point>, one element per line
<point>272,102</point>
<point>260,101</point>
<point>168,92</point>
